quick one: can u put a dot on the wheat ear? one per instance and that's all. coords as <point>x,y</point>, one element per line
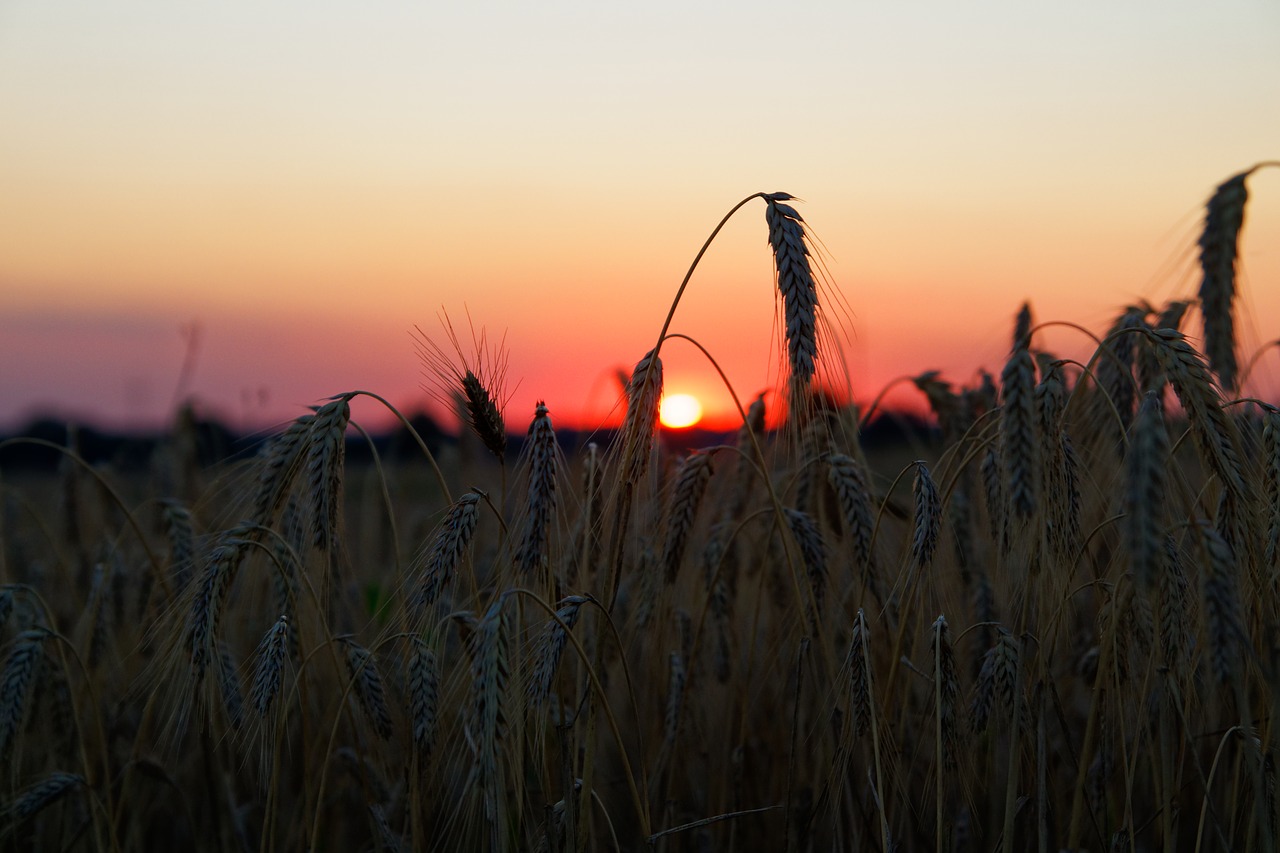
<point>17,685</point>
<point>325,455</point>
<point>424,696</point>
<point>1223,219</point>
<point>798,288</point>
<point>439,563</point>
<point>1213,431</point>
<point>533,554</point>
<point>367,683</point>
<point>38,796</point>
<point>1144,493</point>
<point>690,486</point>
<point>1017,422</point>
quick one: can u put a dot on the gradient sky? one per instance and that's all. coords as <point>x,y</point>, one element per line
<point>294,186</point>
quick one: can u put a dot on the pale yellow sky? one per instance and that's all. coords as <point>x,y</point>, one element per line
<point>306,182</point>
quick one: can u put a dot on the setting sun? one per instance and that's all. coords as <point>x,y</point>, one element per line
<point>678,411</point>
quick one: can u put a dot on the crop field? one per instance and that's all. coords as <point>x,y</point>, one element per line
<point>1050,621</point>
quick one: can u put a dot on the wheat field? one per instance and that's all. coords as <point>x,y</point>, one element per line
<point>1050,622</point>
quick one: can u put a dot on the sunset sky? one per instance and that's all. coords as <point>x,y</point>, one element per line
<point>284,191</point>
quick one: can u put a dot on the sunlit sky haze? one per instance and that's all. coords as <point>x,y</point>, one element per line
<point>283,191</point>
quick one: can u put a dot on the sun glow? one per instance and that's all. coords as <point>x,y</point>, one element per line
<point>678,411</point>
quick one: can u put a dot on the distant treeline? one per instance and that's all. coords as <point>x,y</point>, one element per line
<point>215,442</point>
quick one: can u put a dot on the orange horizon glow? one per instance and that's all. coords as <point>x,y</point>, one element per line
<point>305,186</point>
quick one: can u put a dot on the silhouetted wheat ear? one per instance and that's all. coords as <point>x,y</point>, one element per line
<point>437,565</point>
<point>1018,448</point>
<point>813,551</point>
<point>1223,219</point>
<point>859,666</point>
<point>182,542</point>
<point>37,796</point>
<point>1271,481</point>
<point>1057,475</point>
<point>797,285</point>
<point>644,392</point>
<point>947,684</point>
<point>367,685</point>
<point>1224,621</point>
<point>229,686</point>
<point>1177,632</point>
<point>928,517</point>
<point>489,671</point>
<point>325,456</point>
<point>484,416</point>
<point>1115,364</point>
<point>675,697</point>
<point>1214,433</point>
<point>1145,485</point>
<point>281,462</point>
<point>210,599</point>
<point>17,685</point>
<point>849,480</point>
<point>269,666</point>
<point>690,486</point>
<point>997,681</point>
<point>550,649</point>
<point>541,500</point>
<point>424,696</point>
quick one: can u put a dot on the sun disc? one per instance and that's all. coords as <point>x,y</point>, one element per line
<point>678,411</point>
